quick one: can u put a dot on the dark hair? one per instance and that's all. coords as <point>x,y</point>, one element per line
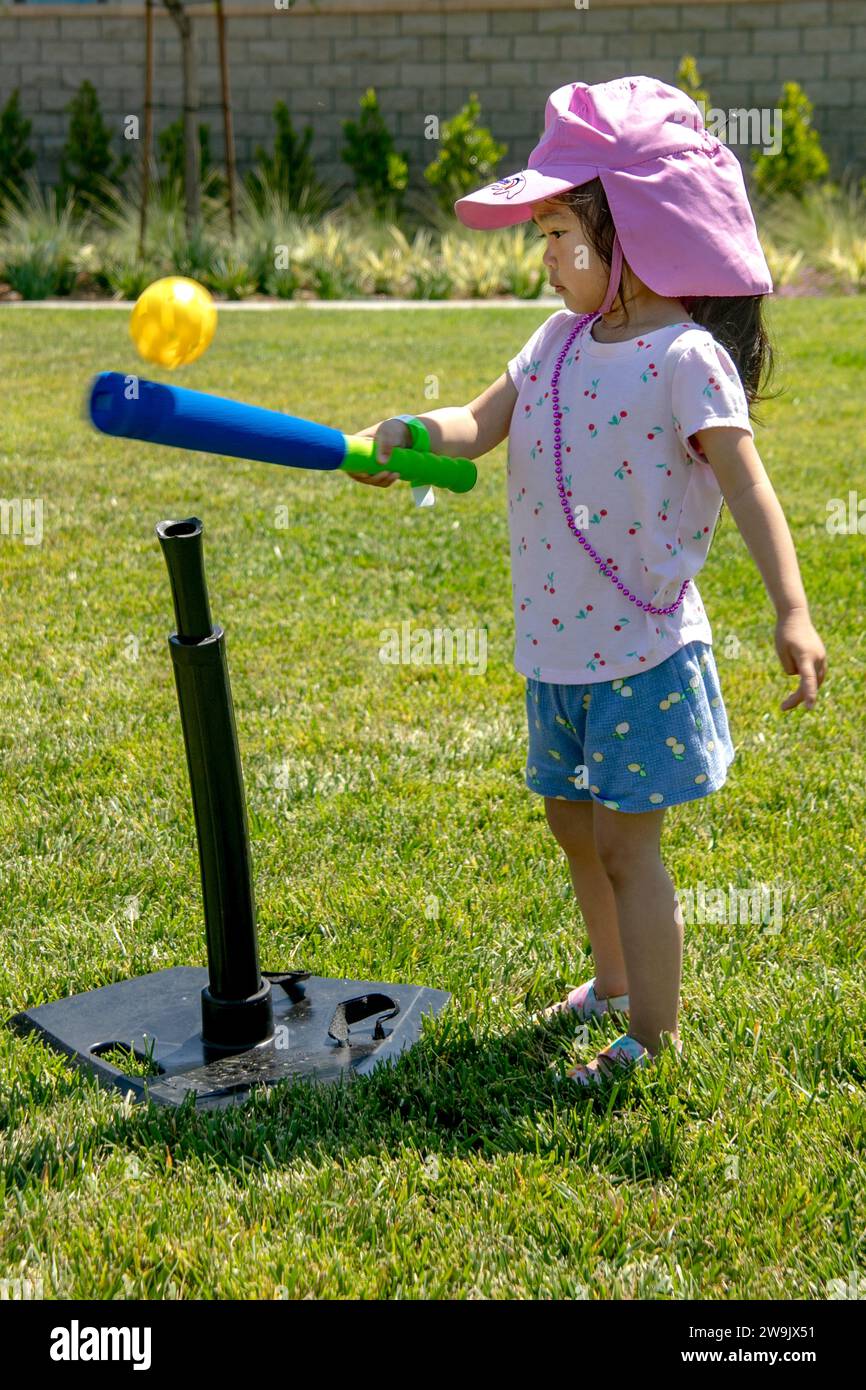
<point>735,321</point>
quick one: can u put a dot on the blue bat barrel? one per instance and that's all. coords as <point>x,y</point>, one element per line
<point>133,408</point>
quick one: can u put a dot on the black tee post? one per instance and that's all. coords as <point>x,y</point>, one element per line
<point>236,1003</point>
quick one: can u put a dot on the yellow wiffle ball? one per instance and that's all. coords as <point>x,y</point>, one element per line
<point>173,321</point>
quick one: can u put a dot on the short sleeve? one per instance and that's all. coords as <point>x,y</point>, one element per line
<point>529,356</point>
<point>707,392</point>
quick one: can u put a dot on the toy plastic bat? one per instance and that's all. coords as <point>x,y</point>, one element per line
<point>133,408</point>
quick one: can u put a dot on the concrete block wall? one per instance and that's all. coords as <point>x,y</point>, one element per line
<point>424,57</point>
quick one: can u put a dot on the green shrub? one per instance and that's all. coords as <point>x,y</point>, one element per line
<point>89,172</point>
<point>40,273</point>
<point>801,160</point>
<point>428,278</point>
<point>166,224</point>
<point>170,149</point>
<point>289,173</point>
<point>467,157</point>
<point>325,261</point>
<point>126,276</point>
<point>818,237</point>
<point>381,174</point>
<point>230,274</point>
<point>171,156</point>
<point>16,157</point>
<point>191,256</point>
<point>524,276</point>
<point>267,224</point>
<point>38,244</point>
<point>282,284</point>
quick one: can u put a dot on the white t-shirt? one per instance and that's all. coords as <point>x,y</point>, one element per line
<point>651,498</point>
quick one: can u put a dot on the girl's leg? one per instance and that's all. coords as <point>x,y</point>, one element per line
<point>572,826</point>
<point>649,918</point>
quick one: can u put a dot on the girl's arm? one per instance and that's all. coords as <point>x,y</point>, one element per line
<point>460,431</point>
<point>468,431</point>
<point>747,489</point>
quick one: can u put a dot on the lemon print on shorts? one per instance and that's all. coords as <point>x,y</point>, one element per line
<point>676,748</point>
<point>596,791</point>
<point>673,699</point>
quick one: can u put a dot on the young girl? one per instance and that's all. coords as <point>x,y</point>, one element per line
<point>627,416</point>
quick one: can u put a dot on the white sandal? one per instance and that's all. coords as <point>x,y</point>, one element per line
<point>585,1003</point>
<point>619,1058</point>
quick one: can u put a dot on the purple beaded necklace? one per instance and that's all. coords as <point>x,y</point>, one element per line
<point>557,453</point>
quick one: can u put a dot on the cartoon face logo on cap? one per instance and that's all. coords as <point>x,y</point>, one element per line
<point>515,183</point>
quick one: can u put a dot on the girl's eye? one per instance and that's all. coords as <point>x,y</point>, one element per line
<point>541,235</point>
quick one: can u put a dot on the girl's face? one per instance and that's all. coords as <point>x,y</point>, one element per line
<point>572,265</point>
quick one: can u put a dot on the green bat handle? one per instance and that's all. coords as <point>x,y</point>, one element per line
<point>414,466</point>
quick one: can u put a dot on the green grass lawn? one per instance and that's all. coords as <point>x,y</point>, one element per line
<point>465,1171</point>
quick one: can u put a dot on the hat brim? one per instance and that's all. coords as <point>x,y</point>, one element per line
<point>509,200</point>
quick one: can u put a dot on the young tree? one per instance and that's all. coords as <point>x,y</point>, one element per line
<point>88,168</point>
<point>228,132</point>
<point>801,160</point>
<point>147,147</point>
<point>192,169</point>
<point>467,156</point>
<point>381,172</point>
<point>289,172</point>
<point>16,156</point>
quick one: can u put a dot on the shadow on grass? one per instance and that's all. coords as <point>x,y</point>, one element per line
<point>454,1093</point>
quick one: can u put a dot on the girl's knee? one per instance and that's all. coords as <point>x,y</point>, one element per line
<point>623,862</point>
<point>628,844</point>
<point>572,826</point>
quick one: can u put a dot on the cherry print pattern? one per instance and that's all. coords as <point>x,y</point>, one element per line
<point>648,391</point>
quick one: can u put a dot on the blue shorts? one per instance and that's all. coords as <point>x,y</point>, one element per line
<point>634,744</point>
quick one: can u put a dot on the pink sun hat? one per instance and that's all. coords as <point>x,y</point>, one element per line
<point>676,192</point>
